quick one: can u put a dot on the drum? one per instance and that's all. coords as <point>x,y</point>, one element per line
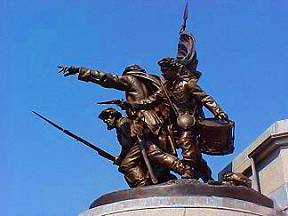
<point>216,137</point>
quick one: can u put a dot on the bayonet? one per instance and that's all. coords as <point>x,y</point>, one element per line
<point>185,17</point>
<point>100,151</point>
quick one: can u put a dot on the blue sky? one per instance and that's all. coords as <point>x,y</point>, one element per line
<point>242,51</point>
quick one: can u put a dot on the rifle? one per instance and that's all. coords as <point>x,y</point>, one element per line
<point>118,102</point>
<point>100,151</point>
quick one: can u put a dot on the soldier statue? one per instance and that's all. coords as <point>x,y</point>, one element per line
<point>187,99</point>
<point>130,135</point>
<point>163,114</point>
<point>134,81</point>
<point>137,85</point>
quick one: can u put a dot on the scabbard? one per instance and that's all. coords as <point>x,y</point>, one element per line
<point>147,162</point>
<point>149,167</point>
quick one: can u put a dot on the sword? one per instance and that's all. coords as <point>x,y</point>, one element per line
<point>100,151</point>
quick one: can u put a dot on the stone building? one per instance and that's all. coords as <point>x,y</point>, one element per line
<point>265,162</point>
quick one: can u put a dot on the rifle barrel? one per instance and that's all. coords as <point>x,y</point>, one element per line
<point>100,151</point>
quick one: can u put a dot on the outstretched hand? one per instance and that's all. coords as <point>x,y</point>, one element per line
<point>67,71</point>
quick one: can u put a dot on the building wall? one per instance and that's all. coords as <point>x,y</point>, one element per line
<point>271,173</point>
<point>269,154</point>
<point>278,188</point>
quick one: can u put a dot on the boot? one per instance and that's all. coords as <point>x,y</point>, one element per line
<point>189,171</point>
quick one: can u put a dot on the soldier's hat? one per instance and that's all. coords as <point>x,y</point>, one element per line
<point>133,67</point>
<point>108,112</point>
<point>177,63</point>
<point>169,62</point>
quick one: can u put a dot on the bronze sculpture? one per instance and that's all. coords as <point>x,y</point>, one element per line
<point>187,98</point>
<point>163,136</point>
<point>135,82</point>
<point>163,114</point>
<point>138,144</point>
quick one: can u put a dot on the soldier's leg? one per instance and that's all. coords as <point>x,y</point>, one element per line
<point>190,151</point>
<point>133,169</point>
<point>192,155</point>
<point>168,161</point>
<point>204,170</point>
<point>165,175</point>
<point>136,177</point>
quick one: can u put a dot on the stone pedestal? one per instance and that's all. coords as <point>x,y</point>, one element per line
<point>184,198</point>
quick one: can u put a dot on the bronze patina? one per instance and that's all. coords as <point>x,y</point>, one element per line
<point>140,149</point>
<point>163,114</point>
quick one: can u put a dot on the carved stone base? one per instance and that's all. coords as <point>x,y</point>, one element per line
<point>183,197</point>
